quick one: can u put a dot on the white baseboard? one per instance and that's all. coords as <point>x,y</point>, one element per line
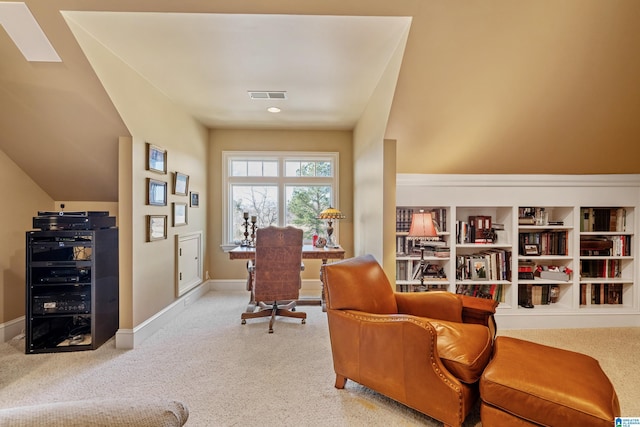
<point>129,338</point>
<point>241,285</point>
<point>12,329</point>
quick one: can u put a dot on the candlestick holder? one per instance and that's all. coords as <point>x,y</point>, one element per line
<point>253,231</point>
<point>246,242</point>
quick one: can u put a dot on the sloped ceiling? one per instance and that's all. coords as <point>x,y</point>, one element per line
<point>485,87</point>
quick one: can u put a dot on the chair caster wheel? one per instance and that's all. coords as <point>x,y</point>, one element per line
<point>304,321</point>
<point>244,322</point>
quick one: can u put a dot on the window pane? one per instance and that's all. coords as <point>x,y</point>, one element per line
<point>254,168</point>
<point>258,200</point>
<point>238,168</point>
<point>308,169</point>
<point>292,168</point>
<point>270,168</point>
<point>304,204</point>
<point>324,169</point>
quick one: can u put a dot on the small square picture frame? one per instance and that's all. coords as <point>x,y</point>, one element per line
<point>156,192</point>
<point>531,250</point>
<point>194,199</point>
<point>479,269</point>
<point>180,184</point>
<point>156,227</point>
<point>156,159</point>
<point>179,214</point>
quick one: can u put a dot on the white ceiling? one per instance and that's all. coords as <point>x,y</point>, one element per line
<point>207,63</point>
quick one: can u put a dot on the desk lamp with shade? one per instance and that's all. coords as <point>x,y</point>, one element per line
<point>422,229</point>
<point>330,214</point>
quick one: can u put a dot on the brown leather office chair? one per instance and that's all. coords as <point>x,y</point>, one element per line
<point>275,276</point>
<point>415,348</point>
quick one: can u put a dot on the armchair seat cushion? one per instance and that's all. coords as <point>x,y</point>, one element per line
<point>464,349</point>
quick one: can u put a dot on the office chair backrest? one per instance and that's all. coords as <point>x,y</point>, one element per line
<point>278,261</point>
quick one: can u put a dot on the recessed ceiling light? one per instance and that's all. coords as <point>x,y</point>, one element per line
<point>273,110</point>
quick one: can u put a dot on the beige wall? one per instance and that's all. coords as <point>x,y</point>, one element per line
<point>22,199</point>
<point>255,140</point>
<point>148,269</point>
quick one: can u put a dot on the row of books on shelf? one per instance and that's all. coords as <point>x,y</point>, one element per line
<point>603,219</point>
<point>409,247</point>
<point>547,242</point>
<point>605,246</point>
<point>601,268</point>
<point>601,293</point>
<point>415,287</point>
<point>530,295</point>
<point>492,264</point>
<point>415,270</point>
<point>405,215</point>
<point>478,229</point>
<point>489,291</point>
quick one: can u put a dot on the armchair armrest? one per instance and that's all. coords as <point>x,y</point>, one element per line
<point>434,305</point>
<point>479,310</point>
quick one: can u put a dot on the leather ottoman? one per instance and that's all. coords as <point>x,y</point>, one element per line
<point>529,384</point>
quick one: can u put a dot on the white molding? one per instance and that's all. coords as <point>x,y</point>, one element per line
<point>130,338</point>
<point>438,180</point>
<point>241,285</point>
<point>544,319</point>
<point>13,328</point>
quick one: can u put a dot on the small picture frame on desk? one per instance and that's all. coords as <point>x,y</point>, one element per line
<point>531,250</point>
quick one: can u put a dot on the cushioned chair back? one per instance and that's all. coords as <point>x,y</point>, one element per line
<point>278,261</point>
<point>358,284</point>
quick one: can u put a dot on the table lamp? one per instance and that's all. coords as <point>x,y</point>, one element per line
<point>330,214</point>
<point>422,229</point>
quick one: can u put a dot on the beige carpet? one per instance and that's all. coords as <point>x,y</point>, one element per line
<point>231,374</point>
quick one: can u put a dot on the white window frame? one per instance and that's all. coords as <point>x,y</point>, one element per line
<point>281,181</point>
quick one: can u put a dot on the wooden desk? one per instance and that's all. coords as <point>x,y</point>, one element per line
<point>308,252</point>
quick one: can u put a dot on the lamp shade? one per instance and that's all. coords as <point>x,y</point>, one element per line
<point>331,213</point>
<point>422,226</point>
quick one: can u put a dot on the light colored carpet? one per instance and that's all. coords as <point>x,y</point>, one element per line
<point>231,374</point>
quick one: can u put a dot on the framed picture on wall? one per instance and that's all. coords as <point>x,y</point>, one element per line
<point>194,199</point>
<point>156,159</point>
<point>156,192</point>
<point>156,227</point>
<point>180,184</point>
<point>179,214</point>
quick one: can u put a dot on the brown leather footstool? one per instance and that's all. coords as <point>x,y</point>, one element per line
<point>528,384</point>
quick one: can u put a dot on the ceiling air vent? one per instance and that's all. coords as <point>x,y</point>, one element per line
<point>263,94</point>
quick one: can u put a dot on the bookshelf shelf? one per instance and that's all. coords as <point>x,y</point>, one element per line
<point>566,219</point>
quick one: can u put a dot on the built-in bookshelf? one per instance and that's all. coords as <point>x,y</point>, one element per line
<point>408,252</point>
<point>545,257</point>
<point>606,257</point>
<point>554,251</point>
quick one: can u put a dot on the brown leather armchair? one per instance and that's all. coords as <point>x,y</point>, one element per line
<point>412,347</point>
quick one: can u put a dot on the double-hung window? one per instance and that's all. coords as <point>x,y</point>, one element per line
<point>278,188</point>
